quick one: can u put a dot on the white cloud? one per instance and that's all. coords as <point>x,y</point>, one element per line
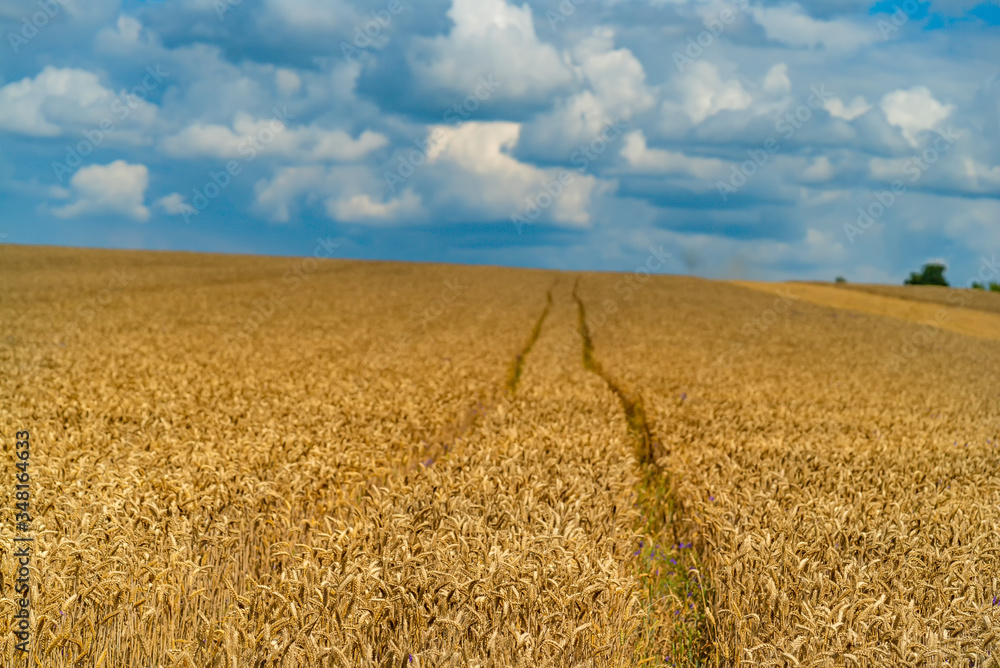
<point>468,172</point>
<point>615,76</point>
<point>644,159</point>
<point>981,176</point>
<point>289,183</point>
<point>117,188</point>
<point>491,37</point>
<point>59,100</point>
<point>481,176</point>
<point>348,193</point>
<point>125,37</point>
<point>790,25</point>
<point>249,137</point>
<point>274,196</point>
<point>819,171</point>
<point>776,80</point>
<point>561,85</point>
<point>309,15</point>
<point>129,28</point>
<point>616,89</point>
<point>173,204</point>
<point>836,108</point>
<point>288,81</point>
<point>704,93</point>
<point>362,208</point>
<point>914,111</point>
<point>960,174</point>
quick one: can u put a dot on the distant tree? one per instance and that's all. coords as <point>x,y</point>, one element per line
<point>932,274</point>
<point>976,285</point>
<point>994,287</point>
<point>840,279</point>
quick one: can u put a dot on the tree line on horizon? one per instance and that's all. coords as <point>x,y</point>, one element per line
<point>932,273</point>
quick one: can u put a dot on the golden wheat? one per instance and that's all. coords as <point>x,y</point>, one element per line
<point>848,509</point>
<point>340,480</point>
<point>287,462</point>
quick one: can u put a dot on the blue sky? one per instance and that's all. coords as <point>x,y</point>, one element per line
<point>743,138</point>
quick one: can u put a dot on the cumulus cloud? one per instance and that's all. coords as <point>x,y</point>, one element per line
<point>836,108</point>
<point>644,159</point>
<point>776,80</point>
<point>288,81</point>
<point>490,36</point>
<point>483,178</point>
<point>914,111</point>
<point>173,204</point>
<point>819,170</point>
<point>676,133</point>
<point>274,196</point>
<point>363,208</point>
<point>614,75</point>
<point>946,168</point>
<point>790,24</point>
<point>118,188</point>
<point>981,177</point>
<point>250,136</point>
<point>469,173</point>
<point>126,36</point>
<point>57,101</point>
<point>614,88</point>
<point>704,93</point>
<point>345,193</point>
<point>308,15</point>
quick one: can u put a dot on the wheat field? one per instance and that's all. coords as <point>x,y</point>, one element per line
<point>847,507</point>
<point>970,312</point>
<point>244,461</point>
<point>980,300</point>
